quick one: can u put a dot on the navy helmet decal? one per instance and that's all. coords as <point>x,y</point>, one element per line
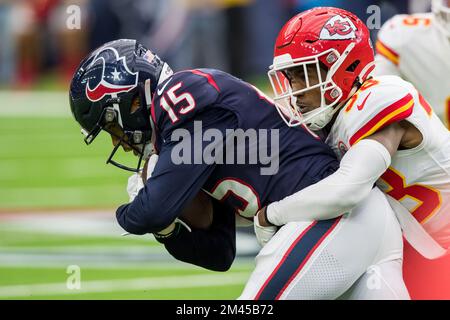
<point>108,79</point>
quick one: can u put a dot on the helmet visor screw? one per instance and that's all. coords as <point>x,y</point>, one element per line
<point>334,93</point>
<point>110,115</point>
<point>331,58</point>
<point>137,137</point>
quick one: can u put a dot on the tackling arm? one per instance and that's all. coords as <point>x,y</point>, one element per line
<point>359,169</point>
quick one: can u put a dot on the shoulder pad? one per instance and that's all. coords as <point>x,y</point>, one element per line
<point>378,103</point>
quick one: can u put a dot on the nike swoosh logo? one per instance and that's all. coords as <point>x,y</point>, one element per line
<point>160,90</point>
<point>361,106</point>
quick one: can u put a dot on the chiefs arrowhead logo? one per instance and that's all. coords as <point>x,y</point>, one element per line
<point>338,28</point>
<point>109,78</point>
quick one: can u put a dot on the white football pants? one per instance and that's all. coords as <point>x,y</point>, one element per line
<point>356,256</point>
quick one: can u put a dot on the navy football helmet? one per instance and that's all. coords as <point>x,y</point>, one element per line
<point>106,85</point>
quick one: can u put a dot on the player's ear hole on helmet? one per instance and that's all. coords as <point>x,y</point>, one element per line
<point>352,67</point>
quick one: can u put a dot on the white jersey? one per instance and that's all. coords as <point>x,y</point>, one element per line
<point>335,258</point>
<point>420,177</point>
<point>414,48</point>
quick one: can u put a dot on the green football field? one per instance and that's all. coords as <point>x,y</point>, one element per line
<point>46,164</point>
<point>57,200</point>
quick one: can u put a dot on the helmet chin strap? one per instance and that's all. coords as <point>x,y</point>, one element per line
<point>148,93</point>
<point>150,147</point>
<point>323,118</point>
<point>141,152</point>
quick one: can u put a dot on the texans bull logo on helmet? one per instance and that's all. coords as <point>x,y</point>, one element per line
<point>109,79</point>
<point>338,28</point>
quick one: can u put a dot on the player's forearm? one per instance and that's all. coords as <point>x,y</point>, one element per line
<point>362,165</point>
<point>213,249</point>
<point>147,213</point>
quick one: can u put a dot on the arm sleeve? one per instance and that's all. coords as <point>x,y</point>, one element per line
<point>359,169</point>
<point>213,249</point>
<point>173,184</point>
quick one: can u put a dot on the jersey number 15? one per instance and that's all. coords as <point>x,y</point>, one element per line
<point>185,102</point>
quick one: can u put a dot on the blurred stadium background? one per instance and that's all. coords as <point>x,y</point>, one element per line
<point>57,196</point>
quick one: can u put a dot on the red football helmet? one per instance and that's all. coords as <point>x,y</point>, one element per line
<point>329,37</point>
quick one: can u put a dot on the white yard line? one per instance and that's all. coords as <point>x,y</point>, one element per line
<point>172,282</point>
<point>86,249</point>
<point>239,264</point>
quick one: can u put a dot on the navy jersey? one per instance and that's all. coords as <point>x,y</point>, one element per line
<point>204,109</point>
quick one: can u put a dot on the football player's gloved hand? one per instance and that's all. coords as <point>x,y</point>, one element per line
<point>135,182</point>
<point>134,185</point>
<point>263,233</point>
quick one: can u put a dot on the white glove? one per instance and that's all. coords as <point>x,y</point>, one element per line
<point>263,234</point>
<point>135,183</point>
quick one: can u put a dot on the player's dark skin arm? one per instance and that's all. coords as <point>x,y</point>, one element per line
<point>214,248</point>
<point>401,135</point>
